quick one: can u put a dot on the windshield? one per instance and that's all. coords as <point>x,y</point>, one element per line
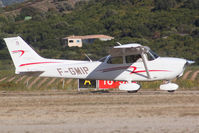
<point>152,55</point>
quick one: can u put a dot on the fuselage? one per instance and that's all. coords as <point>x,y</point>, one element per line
<point>128,62</point>
<point>161,68</point>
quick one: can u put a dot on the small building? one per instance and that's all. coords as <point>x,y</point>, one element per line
<point>78,41</point>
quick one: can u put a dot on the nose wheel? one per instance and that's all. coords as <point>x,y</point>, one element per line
<point>132,91</point>
<point>171,91</point>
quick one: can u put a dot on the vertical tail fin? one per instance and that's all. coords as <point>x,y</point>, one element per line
<point>20,51</point>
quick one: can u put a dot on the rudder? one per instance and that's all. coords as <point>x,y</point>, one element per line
<point>20,51</point>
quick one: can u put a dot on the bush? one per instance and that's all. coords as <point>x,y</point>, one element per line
<point>197,22</point>
<point>164,4</point>
<point>191,4</point>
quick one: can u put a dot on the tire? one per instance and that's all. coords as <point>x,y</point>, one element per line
<point>171,91</point>
<point>132,91</point>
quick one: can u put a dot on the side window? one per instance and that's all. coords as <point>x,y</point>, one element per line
<point>115,60</point>
<point>133,58</point>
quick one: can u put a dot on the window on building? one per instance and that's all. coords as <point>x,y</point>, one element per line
<point>71,41</point>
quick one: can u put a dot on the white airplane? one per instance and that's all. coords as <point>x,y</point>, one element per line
<point>129,62</point>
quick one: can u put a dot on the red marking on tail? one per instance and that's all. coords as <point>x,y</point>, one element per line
<point>17,51</point>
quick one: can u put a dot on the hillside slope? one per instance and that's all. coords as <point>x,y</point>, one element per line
<point>169,27</point>
<point>42,5</point>
<point>10,2</point>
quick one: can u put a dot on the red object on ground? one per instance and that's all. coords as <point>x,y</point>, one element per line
<point>107,84</point>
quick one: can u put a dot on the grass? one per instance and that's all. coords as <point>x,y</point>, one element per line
<point>188,84</point>
<point>150,85</point>
<point>20,86</point>
<point>11,86</point>
<point>73,85</point>
<point>6,73</point>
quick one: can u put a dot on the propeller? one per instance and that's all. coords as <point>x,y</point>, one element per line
<point>189,62</point>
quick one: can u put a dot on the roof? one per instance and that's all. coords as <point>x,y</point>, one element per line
<point>89,37</point>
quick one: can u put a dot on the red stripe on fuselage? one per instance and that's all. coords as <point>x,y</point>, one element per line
<point>34,63</point>
<point>150,71</point>
<point>133,71</point>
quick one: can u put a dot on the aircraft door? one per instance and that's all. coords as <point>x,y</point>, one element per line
<point>133,58</point>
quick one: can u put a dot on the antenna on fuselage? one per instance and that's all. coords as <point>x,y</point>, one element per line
<point>88,57</point>
<point>119,43</point>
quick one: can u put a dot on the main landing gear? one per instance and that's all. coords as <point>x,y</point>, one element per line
<point>134,87</point>
<point>168,86</point>
<point>130,87</point>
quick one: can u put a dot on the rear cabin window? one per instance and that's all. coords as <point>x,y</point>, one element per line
<point>133,58</point>
<point>115,60</point>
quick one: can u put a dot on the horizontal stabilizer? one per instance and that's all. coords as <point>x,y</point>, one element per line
<point>30,73</point>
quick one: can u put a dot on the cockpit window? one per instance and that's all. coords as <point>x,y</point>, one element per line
<point>115,60</point>
<point>133,58</point>
<point>152,55</point>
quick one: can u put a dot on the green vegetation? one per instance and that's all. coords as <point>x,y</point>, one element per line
<point>9,2</point>
<point>14,82</point>
<point>72,85</point>
<point>169,27</point>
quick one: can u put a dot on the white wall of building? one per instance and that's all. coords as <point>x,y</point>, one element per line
<point>74,42</point>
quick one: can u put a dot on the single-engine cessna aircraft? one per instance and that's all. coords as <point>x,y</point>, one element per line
<point>128,62</point>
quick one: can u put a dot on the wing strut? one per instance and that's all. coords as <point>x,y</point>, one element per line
<point>145,65</point>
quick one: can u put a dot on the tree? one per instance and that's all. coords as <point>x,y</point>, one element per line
<point>164,4</point>
<point>197,22</point>
<point>191,4</point>
<point>27,11</point>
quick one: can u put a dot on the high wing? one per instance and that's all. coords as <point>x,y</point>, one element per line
<point>128,49</point>
<point>132,49</point>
